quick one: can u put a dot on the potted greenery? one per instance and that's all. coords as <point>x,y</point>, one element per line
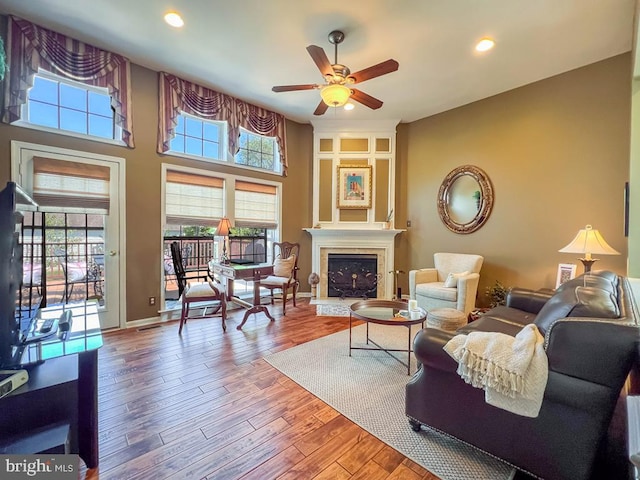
<point>497,294</point>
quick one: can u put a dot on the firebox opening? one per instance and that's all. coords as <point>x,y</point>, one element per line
<point>353,275</point>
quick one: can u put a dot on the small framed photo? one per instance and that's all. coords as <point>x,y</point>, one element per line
<point>566,271</point>
<point>354,186</point>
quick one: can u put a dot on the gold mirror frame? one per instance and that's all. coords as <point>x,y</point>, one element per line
<point>486,199</point>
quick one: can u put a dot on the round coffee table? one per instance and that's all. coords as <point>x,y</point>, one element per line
<point>386,312</point>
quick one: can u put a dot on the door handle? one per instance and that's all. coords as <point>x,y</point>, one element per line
<point>112,253</point>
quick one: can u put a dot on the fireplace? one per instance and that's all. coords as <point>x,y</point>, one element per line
<point>352,275</point>
<point>354,242</point>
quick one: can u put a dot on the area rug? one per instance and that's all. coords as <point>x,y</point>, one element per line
<point>369,389</point>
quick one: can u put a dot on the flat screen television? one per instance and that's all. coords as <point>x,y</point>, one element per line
<point>21,244</point>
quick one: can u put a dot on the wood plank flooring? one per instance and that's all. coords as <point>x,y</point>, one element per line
<point>207,406</point>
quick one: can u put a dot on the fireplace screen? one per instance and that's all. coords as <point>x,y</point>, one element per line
<point>353,275</point>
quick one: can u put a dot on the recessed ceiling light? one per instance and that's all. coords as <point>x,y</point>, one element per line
<point>174,19</point>
<point>485,44</point>
<point>349,106</point>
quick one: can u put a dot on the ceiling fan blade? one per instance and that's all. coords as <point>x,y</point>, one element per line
<point>291,88</point>
<point>366,100</point>
<point>321,108</point>
<point>321,60</point>
<point>375,71</point>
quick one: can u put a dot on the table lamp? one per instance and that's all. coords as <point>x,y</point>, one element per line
<point>587,242</point>
<point>223,231</point>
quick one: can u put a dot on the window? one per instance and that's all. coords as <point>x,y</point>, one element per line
<point>201,138</point>
<point>257,151</point>
<point>61,104</point>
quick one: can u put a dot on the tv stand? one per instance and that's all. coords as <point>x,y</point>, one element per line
<point>63,383</point>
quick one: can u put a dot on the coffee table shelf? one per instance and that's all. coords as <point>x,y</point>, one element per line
<point>386,312</point>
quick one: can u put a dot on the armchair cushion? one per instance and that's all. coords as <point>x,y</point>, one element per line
<point>283,267</point>
<point>437,290</point>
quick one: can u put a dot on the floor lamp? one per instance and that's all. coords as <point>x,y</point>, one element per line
<point>222,230</point>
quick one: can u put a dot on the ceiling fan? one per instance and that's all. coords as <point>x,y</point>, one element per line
<point>337,90</point>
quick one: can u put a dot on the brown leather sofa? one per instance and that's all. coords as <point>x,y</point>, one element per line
<point>590,326</point>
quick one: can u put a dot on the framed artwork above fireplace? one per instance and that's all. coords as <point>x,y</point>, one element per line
<point>354,186</point>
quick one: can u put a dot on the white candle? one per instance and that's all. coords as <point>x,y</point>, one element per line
<point>413,304</point>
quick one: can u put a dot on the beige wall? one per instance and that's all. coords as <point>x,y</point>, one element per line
<point>143,172</point>
<point>557,153</point>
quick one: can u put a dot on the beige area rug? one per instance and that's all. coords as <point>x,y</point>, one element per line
<point>369,389</point>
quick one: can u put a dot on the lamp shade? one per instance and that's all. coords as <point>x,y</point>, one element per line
<point>335,95</point>
<point>587,242</point>
<point>223,227</point>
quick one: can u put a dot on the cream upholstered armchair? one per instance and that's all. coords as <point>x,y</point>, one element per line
<point>453,282</point>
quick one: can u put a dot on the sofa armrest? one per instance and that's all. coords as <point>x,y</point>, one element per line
<point>592,349</point>
<point>423,275</point>
<point>428,349</point>
<point>528,300</point>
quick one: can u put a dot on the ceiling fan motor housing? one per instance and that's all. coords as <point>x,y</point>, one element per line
<point>341,72</point>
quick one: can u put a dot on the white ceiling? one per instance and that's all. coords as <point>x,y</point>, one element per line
<point>244,47</point>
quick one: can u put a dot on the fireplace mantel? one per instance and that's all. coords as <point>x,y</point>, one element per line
<point>350,240</point>
<point>352,232</point>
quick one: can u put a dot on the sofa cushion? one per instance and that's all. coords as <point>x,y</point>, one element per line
<point>559,306</point>
<point>436,290</point>
<point>452,279</point>
<point>612,277</point>
<point>595,302</point>
<point>577,302</point>
<point>488,323</point>
<point>511,315</point>
<point>589,281</point>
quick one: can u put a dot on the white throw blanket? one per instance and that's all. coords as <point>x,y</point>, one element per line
<point>512,371</point>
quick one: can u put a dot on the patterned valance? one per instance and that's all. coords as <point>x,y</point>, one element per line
<point>30,47</point>
<point>177,95</point>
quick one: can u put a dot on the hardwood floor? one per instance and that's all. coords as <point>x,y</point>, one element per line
<point>208,406</point>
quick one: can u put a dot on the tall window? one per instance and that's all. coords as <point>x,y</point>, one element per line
<point>193,206</point>
<point>197,137</point>
<point>257,151</point>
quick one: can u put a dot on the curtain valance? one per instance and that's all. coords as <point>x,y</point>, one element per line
<point>30,47</point>
<point>177,95</point>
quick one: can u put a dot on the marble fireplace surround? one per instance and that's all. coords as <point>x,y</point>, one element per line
<point>379,242</point>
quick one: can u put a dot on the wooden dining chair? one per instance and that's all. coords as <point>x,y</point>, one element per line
<point>193,294</point>
<point>285,272</point>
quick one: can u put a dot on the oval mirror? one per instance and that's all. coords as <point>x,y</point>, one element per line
<point>465,199</point>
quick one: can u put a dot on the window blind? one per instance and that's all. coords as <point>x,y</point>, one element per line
<point>256,205</point>
<point>193,199</point>
<point>68,185</point>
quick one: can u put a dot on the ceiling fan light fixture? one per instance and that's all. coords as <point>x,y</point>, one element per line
<point>335,95</point>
